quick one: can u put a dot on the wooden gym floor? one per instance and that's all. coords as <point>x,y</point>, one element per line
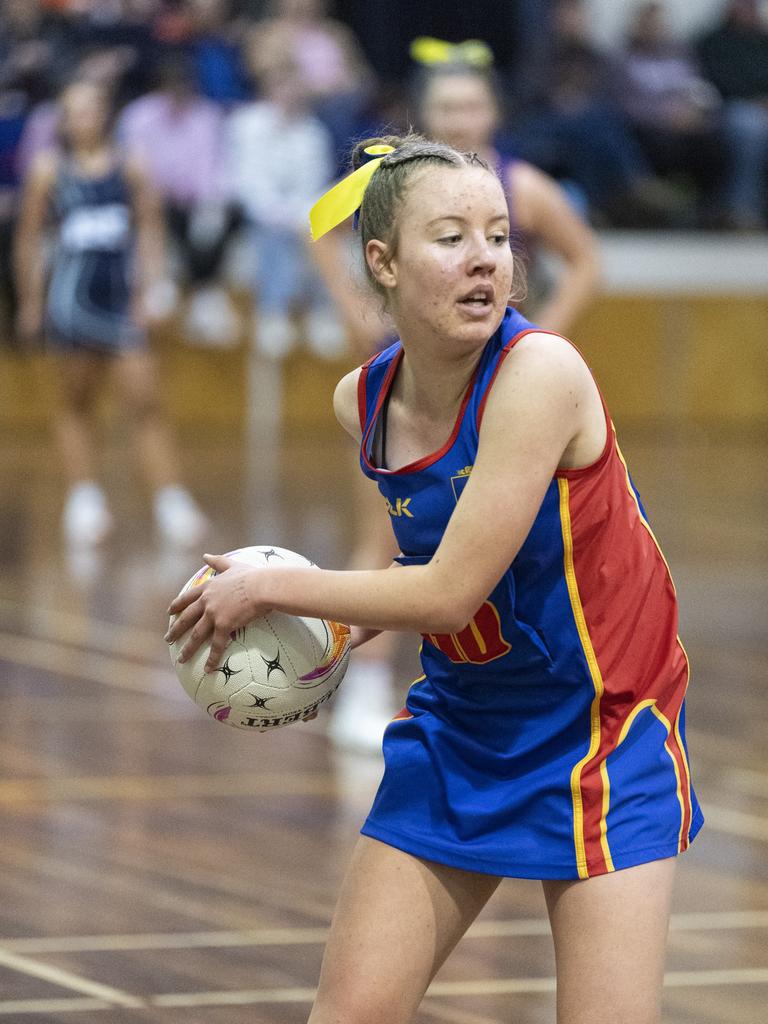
<point>157,867</point>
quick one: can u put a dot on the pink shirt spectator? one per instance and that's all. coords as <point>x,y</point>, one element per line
<point>324,64</point>
<point>39,135</point>
<point>178,143</point>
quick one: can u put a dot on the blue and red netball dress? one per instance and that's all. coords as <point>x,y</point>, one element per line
<point>547,738</point>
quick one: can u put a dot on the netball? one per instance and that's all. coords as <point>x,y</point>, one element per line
<point>276,670</point>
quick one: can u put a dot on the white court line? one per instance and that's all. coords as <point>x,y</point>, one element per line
<point>86,666</point>
<point>736,823</point>
<point>736,976</point>
<point>160,787</point>
<point>56,976</point>
<point>479,987</point>
<point>18,1007</point>
<point>747,781</point>
<point>717,920</point>
<point>247,997</point>
<point>450,1014</point>
<point>84,631</point>
<point>180,940</point>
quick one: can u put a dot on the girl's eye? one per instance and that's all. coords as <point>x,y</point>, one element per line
<point>450,239</point>
<point>500,239</point>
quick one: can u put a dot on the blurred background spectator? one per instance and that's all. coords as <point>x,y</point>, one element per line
<point>31,50</point>
<point>177,134</point>
<point>655,130</point>
<point>336,75</point>
<point>673,111</point>
<point>576,129</point>
<point>279,158</point>
<point>734,58</point>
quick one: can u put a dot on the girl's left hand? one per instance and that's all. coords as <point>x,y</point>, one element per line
<point>215,609</point>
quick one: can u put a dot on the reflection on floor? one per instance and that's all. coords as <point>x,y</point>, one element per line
<point>158,867</point>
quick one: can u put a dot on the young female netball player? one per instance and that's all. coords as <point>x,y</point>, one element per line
<point>456,103</point>
<point>546,737</point>
<point>107,253</point>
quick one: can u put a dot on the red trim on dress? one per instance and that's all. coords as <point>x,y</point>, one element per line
<point>502,356</point>
<point>568,473</point>
<point>425,460</point>
<point>362,384</point>
<point>642,660</point>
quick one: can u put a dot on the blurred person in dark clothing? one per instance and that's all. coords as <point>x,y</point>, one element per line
<point>177,133</point>
<point>216,46</point>
<point>576,129</point>
<point>673,111</point>
<point>734,57</point>
<point>101,214</point>
<point>31,50</point>
<point>335,72</point>
<point>123,29</point>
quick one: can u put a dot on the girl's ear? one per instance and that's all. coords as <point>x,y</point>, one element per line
<point>380,263</point>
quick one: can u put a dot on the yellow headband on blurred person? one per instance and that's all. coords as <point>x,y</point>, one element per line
<point>345,197</point>
<point>429,51</point>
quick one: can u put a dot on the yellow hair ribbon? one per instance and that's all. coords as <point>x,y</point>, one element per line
<point>429,51</point>
<point>345,197</point>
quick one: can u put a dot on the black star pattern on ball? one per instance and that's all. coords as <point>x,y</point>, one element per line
<point>273,665</point>
<point>228,672</point>
<point>271,554</point>
<point>259,702</point>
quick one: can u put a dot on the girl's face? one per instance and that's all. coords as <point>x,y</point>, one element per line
<point>452,269</point>
<point>83,111</point>
<point>460,110</point>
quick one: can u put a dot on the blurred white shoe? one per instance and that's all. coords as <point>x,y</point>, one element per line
<point>211,318</point>
<point>161,299</point>
<point>86,520</point>
<point>275,335</point>
<point>325,334</point>
<point>362,708</point>
<point>178,517</point>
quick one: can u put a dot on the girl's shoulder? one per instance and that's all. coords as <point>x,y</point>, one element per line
<point>351,395</point>
<point>345,403</point>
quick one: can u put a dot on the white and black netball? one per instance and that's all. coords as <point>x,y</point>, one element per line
<point>276,670</point>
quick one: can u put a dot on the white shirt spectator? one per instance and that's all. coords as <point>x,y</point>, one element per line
<point>277,165</point>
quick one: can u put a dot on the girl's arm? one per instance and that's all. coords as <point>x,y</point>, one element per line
<point>544,408</point>
<point>150,233</point>
<point>29,265</point>
<point>360,309</point>
<point>543,211</point>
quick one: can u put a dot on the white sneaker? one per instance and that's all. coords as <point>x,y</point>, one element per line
<point>211,319</point>
<point>325,334</point>
<point>86,520</point>
<point>178,517</point>
<point>161,299</point>
<point>362,707</point>
<point>275,335</point>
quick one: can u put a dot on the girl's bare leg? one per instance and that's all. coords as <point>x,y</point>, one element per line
<point>80,375</point>
<point>610,937</point>
<point>397,919</point>
<point>178,518</point>
<point>136,378</point>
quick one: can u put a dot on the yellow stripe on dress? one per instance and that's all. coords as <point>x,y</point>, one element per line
<point>647,525</point>
<point>651,703</point>
<point>597,682</point>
